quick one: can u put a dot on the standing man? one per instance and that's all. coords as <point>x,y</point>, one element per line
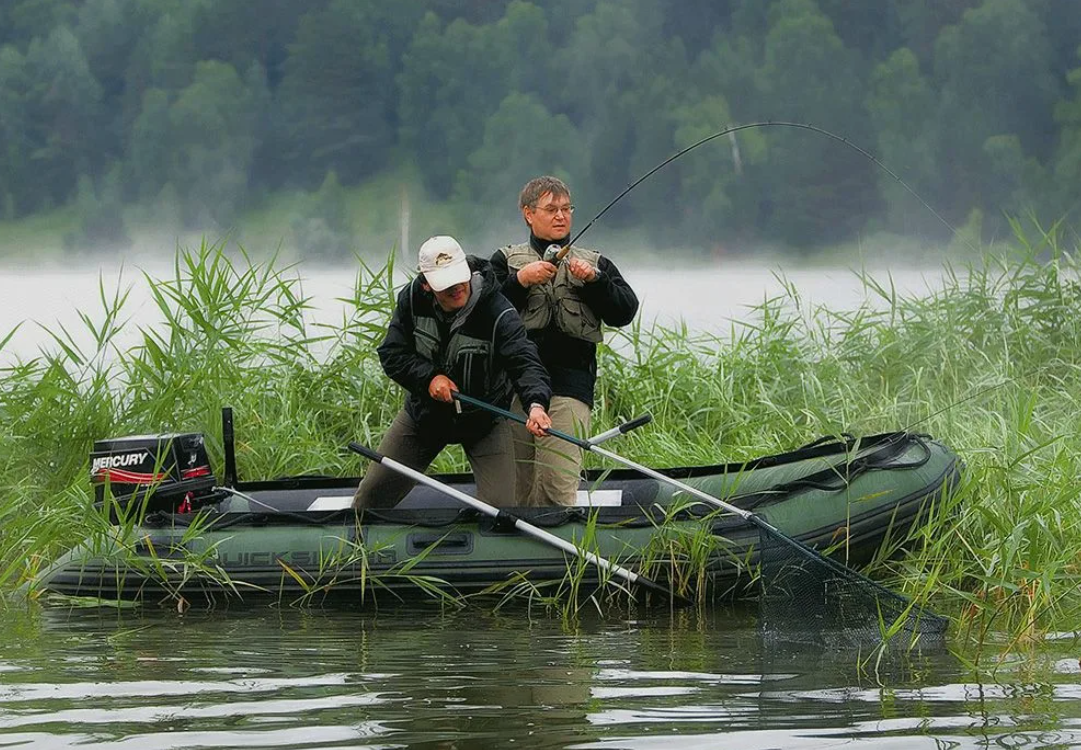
<point>452,330</point>
<point>563,303</point>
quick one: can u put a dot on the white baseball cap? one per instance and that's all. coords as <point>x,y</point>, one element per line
<point>443,263</point>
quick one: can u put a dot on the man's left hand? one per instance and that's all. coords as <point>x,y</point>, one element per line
<point>539,421</point>
<point>581,270</point>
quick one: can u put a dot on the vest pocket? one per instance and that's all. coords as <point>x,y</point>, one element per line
<point>538,309</point>
<point>427,342</point>
<point>472,363</point>
<point>578,319</point>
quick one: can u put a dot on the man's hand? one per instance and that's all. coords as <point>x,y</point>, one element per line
<point>537,272</point>
<point>440,388</point>
<point>580,270</point>
<point>539,421</point>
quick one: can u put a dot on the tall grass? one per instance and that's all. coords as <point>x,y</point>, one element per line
<point>989,362</point>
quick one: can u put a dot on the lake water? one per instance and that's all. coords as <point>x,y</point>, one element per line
<point>708,299</point>
<point>77,678</point>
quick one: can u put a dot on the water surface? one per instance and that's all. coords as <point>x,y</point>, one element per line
<point>419,677</point>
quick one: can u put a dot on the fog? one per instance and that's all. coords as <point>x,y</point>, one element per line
<point>710,298</point>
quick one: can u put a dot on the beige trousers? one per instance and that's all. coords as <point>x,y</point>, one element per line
<point>548,468</point>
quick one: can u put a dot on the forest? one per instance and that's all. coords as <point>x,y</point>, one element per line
<point>186,114</point>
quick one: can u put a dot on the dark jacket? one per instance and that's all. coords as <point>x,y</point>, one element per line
<point>572,362</point>
<point>483,349</point>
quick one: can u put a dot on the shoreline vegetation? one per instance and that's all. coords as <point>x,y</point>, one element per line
<point>989,363</point>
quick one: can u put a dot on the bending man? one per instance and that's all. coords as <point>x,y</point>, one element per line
<point>563,304</point>
<point>452,330</point>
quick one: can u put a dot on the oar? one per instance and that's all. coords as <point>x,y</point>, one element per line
<point>926,622</point>
<point>524,526</point>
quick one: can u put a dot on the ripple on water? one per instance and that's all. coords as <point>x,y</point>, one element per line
<point>306,680</point>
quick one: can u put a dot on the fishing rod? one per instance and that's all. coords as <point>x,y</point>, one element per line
<point>559,254</point>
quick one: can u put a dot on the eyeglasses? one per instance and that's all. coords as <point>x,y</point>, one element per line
<point>554,210</point>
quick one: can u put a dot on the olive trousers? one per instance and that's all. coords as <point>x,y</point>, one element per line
<point>491,456</point>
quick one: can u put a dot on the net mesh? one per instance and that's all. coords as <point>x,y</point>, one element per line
<point>807,596</point>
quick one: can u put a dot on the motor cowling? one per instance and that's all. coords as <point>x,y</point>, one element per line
<point>168,472</point>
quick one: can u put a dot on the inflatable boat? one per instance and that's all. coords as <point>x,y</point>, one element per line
<point>176,531</point>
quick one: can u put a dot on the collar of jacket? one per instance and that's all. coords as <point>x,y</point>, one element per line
<point>539,245</point>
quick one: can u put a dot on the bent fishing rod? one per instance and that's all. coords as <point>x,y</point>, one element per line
<point>564,249</point>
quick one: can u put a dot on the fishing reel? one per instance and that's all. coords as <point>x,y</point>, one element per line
<point>554,254</point>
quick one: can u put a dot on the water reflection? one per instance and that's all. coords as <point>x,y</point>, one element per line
<point>421,678</point>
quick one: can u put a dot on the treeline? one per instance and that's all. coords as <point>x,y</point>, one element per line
<point>195,110</point>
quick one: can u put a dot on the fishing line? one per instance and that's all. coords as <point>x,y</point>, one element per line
<point>833,136</point>
<point>768,124</point>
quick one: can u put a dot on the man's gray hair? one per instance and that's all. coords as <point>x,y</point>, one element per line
<point>538,186</point>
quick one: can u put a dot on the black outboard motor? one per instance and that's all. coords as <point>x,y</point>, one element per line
<point>169,472</point>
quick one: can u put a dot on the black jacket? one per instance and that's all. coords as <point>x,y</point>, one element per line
<point>499,361</point>
<point>572,362</point>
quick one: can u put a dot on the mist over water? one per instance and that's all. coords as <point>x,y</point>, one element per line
<point>708,299</point>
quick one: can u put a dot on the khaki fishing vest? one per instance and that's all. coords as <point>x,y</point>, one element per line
<point>558,297</point>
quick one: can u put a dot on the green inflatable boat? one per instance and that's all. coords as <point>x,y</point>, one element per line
<point>178,532</point>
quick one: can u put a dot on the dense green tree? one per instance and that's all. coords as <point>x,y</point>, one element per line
<point>698,22</point>
<point>101,218</point>
<point>522,140</point>
<point>710,178</point>
<point>814,189</point>
<point>625,80</point>
<point>1011,91</point>
<point>338,106</point>
<point>729,68</point>
<point>211,125</point>
<point>63,114</point>
<point>321,228</point>
<point>20,192</point>
<point>607,53</point>
<point>31,19</point>
<point>6,31</point>
<point>108,31</point>
<point>150,151</point>
<point>920,22</point>
<point>1067,161</point>
<point>454,78</point>
<point>873,29</point>
<point>240,31</point>
<point>163,57</point>
<point>750,18</point>
<point>901,102</point>
<point>1016,182</point>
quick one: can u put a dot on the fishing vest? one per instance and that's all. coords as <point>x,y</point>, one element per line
<point>468,360</point>
<point>558,297</point>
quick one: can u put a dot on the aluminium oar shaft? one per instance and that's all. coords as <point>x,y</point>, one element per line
<point>524,526</point>
<point>591,445</point>
<point>654,474</point>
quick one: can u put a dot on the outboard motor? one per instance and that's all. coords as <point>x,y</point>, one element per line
<point>169,472</point>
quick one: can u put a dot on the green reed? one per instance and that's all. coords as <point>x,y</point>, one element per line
<point>989,362</point>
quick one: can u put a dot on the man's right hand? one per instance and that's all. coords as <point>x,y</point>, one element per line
<point>539,421</point>
<point>441,387</point>
<point>537,272</point>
